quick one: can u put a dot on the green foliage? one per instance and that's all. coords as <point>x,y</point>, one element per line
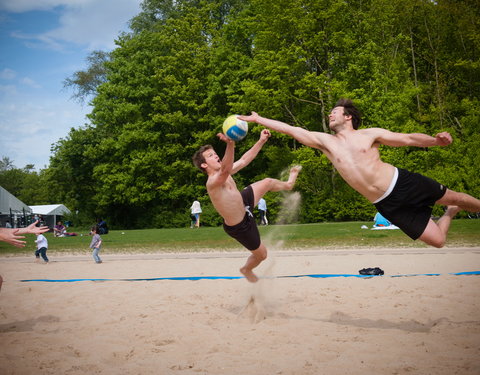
<point>410,65</point>
<point>26,184</point>
<point>70,173</point>
<point>85,83</point>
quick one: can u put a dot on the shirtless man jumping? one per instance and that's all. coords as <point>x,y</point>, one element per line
<point>234,206</point>
<point>404,198</point>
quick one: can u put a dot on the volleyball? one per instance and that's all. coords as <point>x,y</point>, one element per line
<point>234,128</point>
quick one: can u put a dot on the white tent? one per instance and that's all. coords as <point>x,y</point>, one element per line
<point>50,212</point>
<point>10,203</point>
<point>12,209</point>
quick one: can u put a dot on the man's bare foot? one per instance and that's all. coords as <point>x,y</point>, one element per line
<point>294,171</point>
<point>249,275</point>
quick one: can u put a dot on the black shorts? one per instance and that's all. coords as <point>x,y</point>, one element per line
<point>409,205</point>
<point>246,232</point>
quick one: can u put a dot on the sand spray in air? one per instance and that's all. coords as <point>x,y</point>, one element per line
<point>261,295</point>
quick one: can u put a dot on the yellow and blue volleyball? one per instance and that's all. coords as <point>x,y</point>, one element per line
<point>234,128</point>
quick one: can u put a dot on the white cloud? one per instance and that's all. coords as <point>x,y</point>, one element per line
<point>95,25</point>
<point>32,120</point>
<point>20,6</point>
<point>38,41</point>
<point>91,23</point>
<point>29,126</point>
<point>30,82</point>
<point>8,74</point>
<point>8,90</point>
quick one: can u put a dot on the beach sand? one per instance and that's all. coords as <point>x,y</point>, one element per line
<point>339,325</point>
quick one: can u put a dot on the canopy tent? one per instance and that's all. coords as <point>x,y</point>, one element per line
<point>382,223</point>
<point>50,212</point>
<point>12,208</point>
<point>10,203</point>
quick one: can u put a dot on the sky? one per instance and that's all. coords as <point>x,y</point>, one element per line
<point>43,42</point>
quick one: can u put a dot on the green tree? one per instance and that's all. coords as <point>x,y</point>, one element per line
<point>24,183</point>
<point>6,164</point>
<point>85,82</point>
<point>411,66</point>
<point>152,113</point>
<point>70,174</point>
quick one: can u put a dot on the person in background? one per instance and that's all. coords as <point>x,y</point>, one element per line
<point>262,210</point>
<point>59,230</point>
<point>102,226</point>
<point>13,236</point>
<point>42,247</point>
<point>96,244</point>
<point>196,210</point>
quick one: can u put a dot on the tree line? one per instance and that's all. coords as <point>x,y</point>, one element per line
<point>409,65</point>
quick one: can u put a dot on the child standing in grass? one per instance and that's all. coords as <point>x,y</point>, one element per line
<point>96,244</point>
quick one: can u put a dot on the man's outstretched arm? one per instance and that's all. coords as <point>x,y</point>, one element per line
<point>308,138</point>
<point>251,154</point>
<point>393,139</point>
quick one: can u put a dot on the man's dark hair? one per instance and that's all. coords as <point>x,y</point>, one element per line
<point>198,158</point>
<point>349,109</point>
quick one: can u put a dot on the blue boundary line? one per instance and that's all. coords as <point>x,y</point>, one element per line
<point>196,278</point>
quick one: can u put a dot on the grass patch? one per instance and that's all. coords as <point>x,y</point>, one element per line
<point>463,233</point>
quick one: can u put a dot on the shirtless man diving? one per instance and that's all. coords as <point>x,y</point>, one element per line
<point>234,206</point>
<point>404,198</point>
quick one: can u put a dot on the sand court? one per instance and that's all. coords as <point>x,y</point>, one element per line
<point>338,325</point>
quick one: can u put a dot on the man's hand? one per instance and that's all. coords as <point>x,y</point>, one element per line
<point>252,118</point>
<point>264,135</point>
<point>224,138</point>
<point>443,139</point>
<point>11,236</point>
<point>33,229</point>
